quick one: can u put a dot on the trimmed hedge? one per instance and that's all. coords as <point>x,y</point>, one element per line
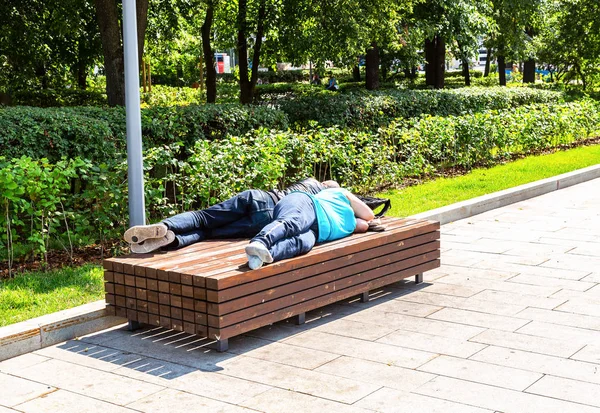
<point>375,109</point>
<point>100,133</point>
<point>59,97</point>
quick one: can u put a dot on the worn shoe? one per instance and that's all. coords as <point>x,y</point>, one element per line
<point>375,225</point>
<point>152,244</point>
<point>254,262</point>
<point>259,249</point>
<point>141,233</point>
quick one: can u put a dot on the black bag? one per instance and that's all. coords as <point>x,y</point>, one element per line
<point>375,203</point>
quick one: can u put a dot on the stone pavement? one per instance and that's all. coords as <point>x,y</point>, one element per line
<point>509,323</point>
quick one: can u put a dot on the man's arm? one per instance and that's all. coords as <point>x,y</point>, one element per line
<point>361,210</point>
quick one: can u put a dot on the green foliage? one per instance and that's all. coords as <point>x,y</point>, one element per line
<point>372,110</point>
<point>59,97</point>
<point>99,133</point>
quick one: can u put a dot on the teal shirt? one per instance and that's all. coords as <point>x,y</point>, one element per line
<point>335,216</point>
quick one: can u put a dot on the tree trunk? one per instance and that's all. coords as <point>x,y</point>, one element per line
<point>211,73</point>
<point>501,70</point>
<point>356,73</point>
<point>372,69</point>
<point>108,17</point>
<point>260,32</point>
<point>81,75</point>
<point>486,71</point>
<point>435,56</point>
<point>242,47</point>
<point>440,63</point>
<point>466,72</point>
<point>529,71</point>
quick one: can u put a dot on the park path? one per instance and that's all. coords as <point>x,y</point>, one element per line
<point>509,323</point>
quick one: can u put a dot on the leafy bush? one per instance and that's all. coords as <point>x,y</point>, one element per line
<point>375,109</point>
<point>100,133</point>
<point>59,97</point>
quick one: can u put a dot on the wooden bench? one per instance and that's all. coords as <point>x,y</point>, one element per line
<point>207,288</point>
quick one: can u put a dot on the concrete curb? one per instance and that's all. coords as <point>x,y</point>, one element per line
<point>34,334</point>
<point>484,203</point>
<point>44,331</point>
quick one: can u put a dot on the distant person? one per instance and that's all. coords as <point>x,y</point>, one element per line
<point>332,83</point>
<point>316,79</point>
<point>302,220</point>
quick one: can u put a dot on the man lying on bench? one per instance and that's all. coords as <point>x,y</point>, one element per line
<point>241,216</point>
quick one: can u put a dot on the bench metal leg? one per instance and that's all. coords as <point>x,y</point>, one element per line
<point>133,325</point>
<point>364,297</point>
<point>300,319</point>
<point>222,345</point>
<point>419,278</point>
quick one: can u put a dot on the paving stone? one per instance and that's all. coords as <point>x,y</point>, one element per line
<point>405,308</point>
<point>539,363</point>
<point>388,400</point>
<point>16,390</point>
<point>62,401</point>
<point>593,294</point>
<point>480,245</point>
<point>450,289</point>
<point>551,282</point>
<point>366,350</point>
<point>581,307</point>
<point>174,401</point>
<point>593,278</point>
<point>481,372</point>
<point>431,343</point>
<point>470,303</point>
<point>518,299</point>
<point>376,373</point>
<point>202,383</point>
<point>582,262</point>
<point>485,284</point>
<point>279,400</point>
<point>569,274</point>
<point>16,364</point>
<point>296,379</point>
<point>90,355</point>
<point>589,353</point>
<point>496,275</point>
<point>558,332</point>
<point>84,380</point>
<point>280,352</point>
<point>567,389</point>
<point>420,325</point>
<point>474,318</point>
<point>560,317</point>
<point>7,410</point>
<point>591,250</point>
<point>349,328</point>
<point>498,399</point>
<point>525,342</point>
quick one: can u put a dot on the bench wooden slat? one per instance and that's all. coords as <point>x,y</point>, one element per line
<point>221,296</point>
<point>237,329</point>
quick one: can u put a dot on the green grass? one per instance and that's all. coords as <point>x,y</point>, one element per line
<point>446,191</point>
<point>30,295</point>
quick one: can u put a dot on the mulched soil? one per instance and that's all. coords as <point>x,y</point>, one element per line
<point>95,253</point>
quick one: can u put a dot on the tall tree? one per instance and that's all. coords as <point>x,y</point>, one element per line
<point>109,21</point>
<point>211,73</point>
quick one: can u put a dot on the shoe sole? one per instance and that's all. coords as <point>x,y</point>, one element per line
<point>141,233</point>
<point>263,254</point>
<point>153,244</point>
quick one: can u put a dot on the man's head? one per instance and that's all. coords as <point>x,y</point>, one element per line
<point>330,184</point>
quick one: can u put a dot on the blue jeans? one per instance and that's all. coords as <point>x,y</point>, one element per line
<point>239,217</point>
<point>294,228</point>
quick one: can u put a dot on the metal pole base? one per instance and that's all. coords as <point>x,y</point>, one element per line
<point>133,325</point>
<point>419,278</point>
<point>222,345</point>
<point>300,319</point>
<point>364,297</point>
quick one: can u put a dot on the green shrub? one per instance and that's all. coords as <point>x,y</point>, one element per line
<point>100,133</point>
<point>375,109</point>
<point>61,97</point>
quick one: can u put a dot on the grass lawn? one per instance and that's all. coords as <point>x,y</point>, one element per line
<point>30,295</point>
<point>445,191</point>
